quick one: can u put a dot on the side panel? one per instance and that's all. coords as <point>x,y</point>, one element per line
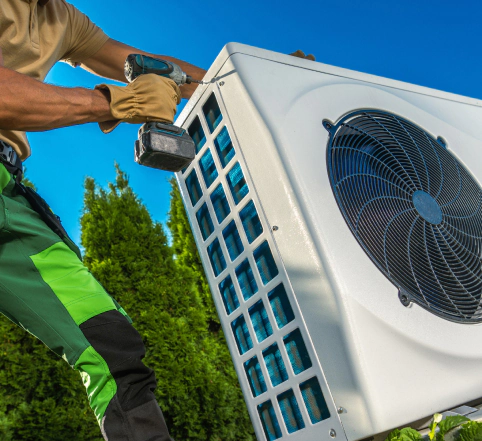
<point>314,288</point>
<point>280,375</point>
<point>383,364</point>
<point>365,339</point>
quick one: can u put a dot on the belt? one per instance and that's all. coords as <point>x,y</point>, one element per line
<point>11,161</point>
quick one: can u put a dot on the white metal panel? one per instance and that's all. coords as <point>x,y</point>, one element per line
<point>381,360</point>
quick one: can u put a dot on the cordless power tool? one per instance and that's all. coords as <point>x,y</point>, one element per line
<point>161,145</point>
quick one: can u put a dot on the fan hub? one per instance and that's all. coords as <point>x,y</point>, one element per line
<point>427,207</point>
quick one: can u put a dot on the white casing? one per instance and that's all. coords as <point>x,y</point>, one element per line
<point>384,364</point>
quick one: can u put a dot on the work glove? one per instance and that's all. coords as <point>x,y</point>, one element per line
<point>149,97</point>
<point>300,54</point>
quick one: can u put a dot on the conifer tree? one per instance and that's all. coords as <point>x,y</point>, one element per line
<point>187,257</point>
<point>129,254</point>
<point>42,398</point>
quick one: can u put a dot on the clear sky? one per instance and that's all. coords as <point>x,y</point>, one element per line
<point>432,43</point>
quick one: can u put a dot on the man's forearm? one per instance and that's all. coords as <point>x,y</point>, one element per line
<point>30,105</point>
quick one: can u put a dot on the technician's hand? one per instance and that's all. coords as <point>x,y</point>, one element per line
<point>148,98</point>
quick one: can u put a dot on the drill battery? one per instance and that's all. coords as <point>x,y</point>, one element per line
<point>164,146</point>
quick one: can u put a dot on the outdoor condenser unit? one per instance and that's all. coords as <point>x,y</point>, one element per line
<point>338,217</point>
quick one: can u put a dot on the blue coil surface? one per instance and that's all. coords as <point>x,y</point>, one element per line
<point>224,147</point>
<point>290,411</point>
<point>208,168</point>
<point>281,306</point>
<point>259,319</point>
<point>220,203</point>
<point>269,421</point>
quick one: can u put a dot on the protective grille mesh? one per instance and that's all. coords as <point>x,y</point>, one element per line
<point>414,209</point>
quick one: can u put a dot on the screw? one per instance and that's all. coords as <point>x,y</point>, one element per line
<point>274,228</point>
<point>327,125</point>
<point>442,142</point>
<point>340,410</point>
<point>221,83</point>
<point>333,433</point>
<point>404,299</point>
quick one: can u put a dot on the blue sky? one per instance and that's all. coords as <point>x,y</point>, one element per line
<point>432,43</point>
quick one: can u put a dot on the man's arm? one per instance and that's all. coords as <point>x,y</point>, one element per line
<point>109,62</point>
<point>30,105</point>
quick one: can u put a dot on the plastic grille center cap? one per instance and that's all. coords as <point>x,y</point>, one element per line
<point>427,207</point>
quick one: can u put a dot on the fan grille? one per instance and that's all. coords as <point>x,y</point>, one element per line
<point>414,209</point>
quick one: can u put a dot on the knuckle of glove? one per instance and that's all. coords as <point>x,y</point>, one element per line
<point>148,98</point>
<point>156,98</point>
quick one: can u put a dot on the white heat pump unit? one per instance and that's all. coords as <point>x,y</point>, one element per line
<point>338,217</point>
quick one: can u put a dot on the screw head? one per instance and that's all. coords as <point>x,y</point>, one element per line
<point>333,433</point>
<point>442,142</point>
<point>274,228</point>
<point>328,125</point>
<point>404,298</point>
<point>221,83</point>
<point>340,410</point>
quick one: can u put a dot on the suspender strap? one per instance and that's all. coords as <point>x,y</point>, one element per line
<point>11,161</point>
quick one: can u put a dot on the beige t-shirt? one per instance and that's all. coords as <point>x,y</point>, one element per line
<point>34,35</point>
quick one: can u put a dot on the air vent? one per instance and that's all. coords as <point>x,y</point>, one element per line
<point>257,307</point>
<point>275,365</point>
<point>280,304</point>
<point>255,376</point>
<point>290,411</point>
<point>413,207</point>
<point>205,222</point>
<point>259,318</point>
<point>224,147</point>
<point>246,280</point>
<point>228,293</point>
<point>197,134</point>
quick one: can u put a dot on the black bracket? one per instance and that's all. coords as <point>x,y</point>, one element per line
<point>404,297</point>
<point>329,126</point>
<point>442,142</point>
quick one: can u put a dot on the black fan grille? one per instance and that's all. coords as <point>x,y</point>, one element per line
<point>413,207</point>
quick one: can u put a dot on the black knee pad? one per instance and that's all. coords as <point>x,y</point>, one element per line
<point>121,346</point>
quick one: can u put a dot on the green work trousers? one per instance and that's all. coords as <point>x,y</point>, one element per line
<point>45,289</point>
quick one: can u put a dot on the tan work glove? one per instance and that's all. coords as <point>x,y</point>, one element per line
<point>300,54</point>
<point>148,98</point>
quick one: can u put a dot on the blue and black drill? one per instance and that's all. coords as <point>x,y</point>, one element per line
<point>160,145</point>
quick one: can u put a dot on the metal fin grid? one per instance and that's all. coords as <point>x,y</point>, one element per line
<point>413,207</point>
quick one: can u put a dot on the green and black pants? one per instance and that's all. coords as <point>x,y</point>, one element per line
<point>45,289</point>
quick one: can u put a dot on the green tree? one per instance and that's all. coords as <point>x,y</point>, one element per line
<point>129,254</point>
<point>42,398</point>
<point>187,258</point>
<point>187,255</point>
